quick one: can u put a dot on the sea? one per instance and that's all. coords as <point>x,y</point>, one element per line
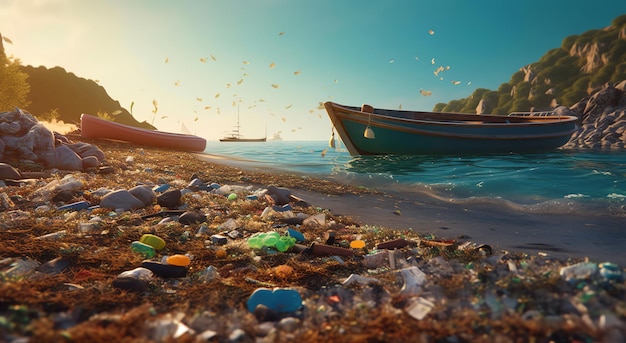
<point>558,182</point>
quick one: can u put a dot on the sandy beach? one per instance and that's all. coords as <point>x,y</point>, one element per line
<point>600,238</point>
<point>62,279</point>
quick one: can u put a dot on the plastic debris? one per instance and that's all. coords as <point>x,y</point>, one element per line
<point>358,279</point>
<point>419,307</point>
<point>271,240</point>
<point>315,220</point>
<point>375,260</point>
<point>329,250</point>
<point>139,273</point>
<point>154,241</point>
<point>76,206</point>
<point>169,327</point>
<point>165,270</point>
<point>146,250</point>
<point>610,271</point>
<point>53,236</point>
<point>178,260</point>
<point>357,244</point>
<point>297,235</point>
<point>277,299</point>
<point>161,188</point>
<point>218,239</point>
<point>578,271</point>
<point>209,274</point>
<point>414,278</point>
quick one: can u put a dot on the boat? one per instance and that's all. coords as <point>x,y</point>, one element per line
<point>95,127</point>
<point>235,135</point>
<point>239,138</point>
<point>368,131</point>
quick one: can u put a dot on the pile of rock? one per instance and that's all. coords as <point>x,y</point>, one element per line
<point>602,123</point>
<point>22,135</point>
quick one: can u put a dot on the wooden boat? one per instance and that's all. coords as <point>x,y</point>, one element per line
<point>369,131</point>
<point>94,127</point>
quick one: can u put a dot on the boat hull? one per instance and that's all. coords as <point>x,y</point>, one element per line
<point>411,133</point>
<point>94,127</point>
<point>249,140</point>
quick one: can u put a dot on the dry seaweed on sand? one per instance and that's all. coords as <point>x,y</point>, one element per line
<point>60,288</point>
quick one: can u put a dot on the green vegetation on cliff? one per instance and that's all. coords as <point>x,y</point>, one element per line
<point>563,76</point>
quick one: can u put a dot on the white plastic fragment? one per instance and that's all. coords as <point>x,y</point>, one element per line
<point>168,327</point>
<point>358,279</point>
<point>316,220</point>
<point>376,260</point>
<point>53,236</point>
<point>578,271</point>
<point>139,273</point>
<point>419,308</point>
<point>414,278</point>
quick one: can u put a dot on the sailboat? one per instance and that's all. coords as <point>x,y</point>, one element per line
<point>235,136</point>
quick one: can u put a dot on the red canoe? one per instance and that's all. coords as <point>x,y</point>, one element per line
<point>94,127</point>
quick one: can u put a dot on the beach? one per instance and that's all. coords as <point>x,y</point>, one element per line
<point>597,237</point>
<point>448,274</point>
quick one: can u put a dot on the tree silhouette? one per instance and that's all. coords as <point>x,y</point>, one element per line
<point>13,85</point>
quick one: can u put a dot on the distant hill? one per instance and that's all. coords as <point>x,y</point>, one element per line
<point>582,65</point>
<point>70,95</point>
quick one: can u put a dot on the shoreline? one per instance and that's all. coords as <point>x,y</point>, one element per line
<point>599,238</point>
<point>64,276</point>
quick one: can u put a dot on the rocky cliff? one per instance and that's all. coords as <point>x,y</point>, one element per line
<point>602,116</point>
<point>70,95</point>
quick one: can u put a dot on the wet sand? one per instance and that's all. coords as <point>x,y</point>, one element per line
<point>600,238</point>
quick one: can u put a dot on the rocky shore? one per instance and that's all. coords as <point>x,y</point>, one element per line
<point>602,125</point>
<point>159,246</point>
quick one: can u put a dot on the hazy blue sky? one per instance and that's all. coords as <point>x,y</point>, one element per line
<point>280,59</point>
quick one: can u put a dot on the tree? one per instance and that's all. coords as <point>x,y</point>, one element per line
<point>13,85</point>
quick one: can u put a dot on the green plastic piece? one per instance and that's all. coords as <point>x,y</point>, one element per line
<point>271,240</point>
<point>146,250</point>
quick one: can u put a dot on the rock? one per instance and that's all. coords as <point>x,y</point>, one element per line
<point>62,196</point>
<point>87,150</point>
<point>130,284</point>
<point>602,120</point>
<point>7,172</point>
<point>145,194</point>
<point>280,196</point>
<point>169,199</point>
<point>191,217</point>
<point>289,324</point>
<point>66,159</point>
<point>90,162</point>
<point>122,199</point>
<point>218,239</point>
<point>165,270</point>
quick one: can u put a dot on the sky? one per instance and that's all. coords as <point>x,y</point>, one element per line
<point>273,62</point>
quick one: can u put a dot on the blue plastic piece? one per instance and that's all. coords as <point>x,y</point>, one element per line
<point>295,234</point>
<point>161,188</point>
<point>76,206</point>
<point>278,299</point>
<point>252,197</point>
<point>283,208</point>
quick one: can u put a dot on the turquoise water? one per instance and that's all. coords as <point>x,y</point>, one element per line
<point>555,182</point>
